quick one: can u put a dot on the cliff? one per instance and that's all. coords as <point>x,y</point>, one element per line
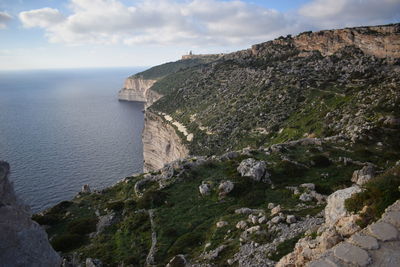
<point>379,41</point>
<point>138,89</point>
<point>161,143</point>
<point>23,242</point>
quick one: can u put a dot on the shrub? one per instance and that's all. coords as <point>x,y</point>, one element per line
<point>115,205</point>
<point>151,200</point>
<point>82,226</point>
<point>321,161</point>
<point>186,242</point>
<point>379,193</point>
<point>47,219</point>
<point>67,242</point>
<point>285,247</point>
<point>60,207</point>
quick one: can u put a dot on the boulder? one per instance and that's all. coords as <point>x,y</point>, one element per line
<point>85,189</point>
<point>204,189</point>
<point>93,262</point>
<point>276,210</point>
<point>362,176</point>
<point>291,219</point>
<point>225,188</point>
<point>221,224</point>
<point>309,186</point>
<point>241,225</point>
<point>253,229</point>
<point>243,211</point>
<point>335,208</point>
<point>256,170</point>
<point>305,197</point>
<point>276,219</point>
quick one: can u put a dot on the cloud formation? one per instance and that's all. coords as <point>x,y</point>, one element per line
<point>342,13</point>
<point>4,18</point>
<point>197,22</point>
<point>43,18</point>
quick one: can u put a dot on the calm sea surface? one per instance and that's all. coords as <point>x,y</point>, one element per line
<point>61,129</point>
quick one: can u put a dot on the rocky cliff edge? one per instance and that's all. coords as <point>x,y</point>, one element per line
<point>23,242</point>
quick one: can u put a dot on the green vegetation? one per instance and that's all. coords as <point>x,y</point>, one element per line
<point>285,247</point>
<point>163,70</point>
<point>379,193</point>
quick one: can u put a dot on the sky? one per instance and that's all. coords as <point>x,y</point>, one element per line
<point>47,34</point>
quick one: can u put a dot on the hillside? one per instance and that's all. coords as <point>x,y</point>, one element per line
<point>295,140</point>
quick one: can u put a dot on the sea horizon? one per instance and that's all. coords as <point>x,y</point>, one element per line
<point>67,139</point>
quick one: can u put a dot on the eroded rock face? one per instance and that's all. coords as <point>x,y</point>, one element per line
<point>379,41</point>
<point>137,89</point>
<point>23,242</point>
<point>161,143</point>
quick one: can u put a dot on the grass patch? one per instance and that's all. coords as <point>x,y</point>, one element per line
<point>379,193</point>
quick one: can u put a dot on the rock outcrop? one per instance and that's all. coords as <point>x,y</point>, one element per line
<point>23,242</point>
<point>161,143</point>
<point>376,245</point>
<point>379,41</point>
<point>138,89</point>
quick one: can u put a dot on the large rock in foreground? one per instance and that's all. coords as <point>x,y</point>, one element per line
<point>23,242</point>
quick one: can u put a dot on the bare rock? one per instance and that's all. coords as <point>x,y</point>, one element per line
<point>93,262</point>
<point>241,225</point>
<point>352,254</point>
<point>225,188</point>
<point>309,186</point>
<point>347,225</point>
<point>256,170</point>
<point>85,189</point>
<point>364,241</point>
<point>383,231</point>
<point>221,224</point>
<point>204,189</point>
<point>276,219</point>
<point>335,208</point>
<point>291,219</point>
<point>243,211</point>
<point>276,210</point>
<point>23,242</point>
<point>306,197</point>
<point>362,176</point>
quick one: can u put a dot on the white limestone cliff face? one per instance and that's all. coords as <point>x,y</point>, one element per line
<point>138,89</point>
<point>161,144</point>
<point>23,242</point>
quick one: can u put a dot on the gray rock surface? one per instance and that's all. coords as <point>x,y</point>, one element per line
<point>362,176</point>
<point>256,170</point>
<point>204,189</point>
<point>23,242</point>
<point>352,254</point>
<point>225,187</point>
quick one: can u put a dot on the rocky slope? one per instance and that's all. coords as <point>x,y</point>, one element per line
<point>23,242</point>
<point>297,151</point>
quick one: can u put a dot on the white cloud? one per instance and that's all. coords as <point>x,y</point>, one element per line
<point>43,18</point>
<point>341,13</point>
<point>159,22</point>
<point>198,22</point>
<point>4,18</point>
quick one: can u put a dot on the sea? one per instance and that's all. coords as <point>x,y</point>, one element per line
<point>61,129</point>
